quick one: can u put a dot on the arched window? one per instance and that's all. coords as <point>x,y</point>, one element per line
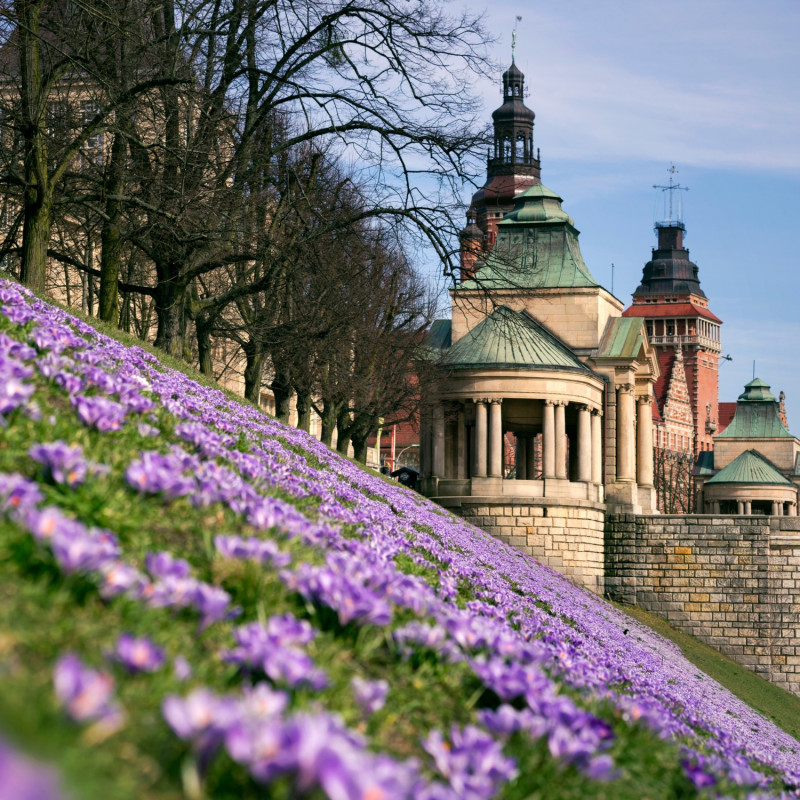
<point>520,148</point>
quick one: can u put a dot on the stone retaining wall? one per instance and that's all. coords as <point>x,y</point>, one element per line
<point>568,537</point>
<point>732,582</point>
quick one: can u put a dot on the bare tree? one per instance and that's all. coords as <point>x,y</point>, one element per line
<point>673,481</point>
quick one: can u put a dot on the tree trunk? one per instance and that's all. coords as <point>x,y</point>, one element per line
<point>344,427</point>
<point>203,328</point>
<point>328,417</point>
<point>360,447</point>
<point>37,197</point>
<point>35,239</point>
<point>304,410</point>
<point>253,371</point>
<point>170,306</point>
<point>111,239</point>
<point>282,389</point>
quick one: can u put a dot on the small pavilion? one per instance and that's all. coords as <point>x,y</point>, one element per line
<point>754,467</point>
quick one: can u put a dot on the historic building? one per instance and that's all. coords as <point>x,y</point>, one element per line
<point>536,349</point>
<point>754,467</point>
<point>686,336</point>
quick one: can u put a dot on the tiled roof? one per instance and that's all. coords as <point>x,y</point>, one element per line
<point>726,412</point>
<point>662,310</point>
<point>510,339</point>
<point>750,468</point>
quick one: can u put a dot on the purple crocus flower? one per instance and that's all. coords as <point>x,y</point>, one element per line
<point>138,655</point>
<point>155,473</point>
<point>18,495</point>
<point>201,718</point>
<point>97,411</point>
<point>85,693</point>
<point>23,779</point>
<point>163,564</point>
<point>62,463</point>
<point>370,695</point>
<point>181,668</point>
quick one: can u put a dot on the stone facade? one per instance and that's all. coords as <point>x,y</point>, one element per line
<point>729,581</point>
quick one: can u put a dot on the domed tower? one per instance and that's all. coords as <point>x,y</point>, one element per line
<point>686,335</point>
<point>511,165</point>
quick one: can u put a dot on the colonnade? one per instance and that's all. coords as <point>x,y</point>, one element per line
<point>482,441</point>
<point>744,508</point>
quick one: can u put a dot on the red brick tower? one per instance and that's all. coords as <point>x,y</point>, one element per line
<point>679,323</point>
<point>511,169</point>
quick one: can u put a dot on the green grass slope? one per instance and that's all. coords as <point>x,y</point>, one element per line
<point>354,641</point>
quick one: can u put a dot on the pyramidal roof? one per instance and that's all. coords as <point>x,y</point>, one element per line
<point>537,248</point>
<point>750,467</point>
<point>757,415</point>
<point>509,339</point>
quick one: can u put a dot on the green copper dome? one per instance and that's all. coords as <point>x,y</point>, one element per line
<point>536,248</point>
<point>750,468</point>
<point>509,339</point>
<point>756,415</point>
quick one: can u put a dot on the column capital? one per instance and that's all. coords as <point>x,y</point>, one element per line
<point>477,400</point>
<point>625,388</point>
<point>497,400</point>
<point>583,406</point>
<point>645,399</point>
<point>596,412</point>
<point>549,402</point>
<point>563,403</point>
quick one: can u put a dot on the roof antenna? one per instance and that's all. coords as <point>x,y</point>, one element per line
<point>514,38</point>
<point>676,216</point>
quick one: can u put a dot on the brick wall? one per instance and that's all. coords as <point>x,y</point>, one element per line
<point>729,581</point>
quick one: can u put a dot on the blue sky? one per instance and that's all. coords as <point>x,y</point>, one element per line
<point>623,89</point>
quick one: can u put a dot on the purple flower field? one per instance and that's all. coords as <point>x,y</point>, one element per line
<point>362,595</point>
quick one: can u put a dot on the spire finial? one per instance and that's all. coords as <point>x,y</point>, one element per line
<point>672,188</point>
<point>514,38</point>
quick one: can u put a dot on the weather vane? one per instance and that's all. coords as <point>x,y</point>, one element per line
<point>514,39</point>
<point>672,188</point>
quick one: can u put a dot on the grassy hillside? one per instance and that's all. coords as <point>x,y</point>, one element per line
<point>196,601</point>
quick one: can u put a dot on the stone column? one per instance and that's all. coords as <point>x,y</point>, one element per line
<point>438,440</point>
<point>748,507</point>
<point>625,444</point>
<point>740,507</point>
<point>548,440</point>
<point>461,445</point>
<point>584,444</point>
<point>644,440</point>
<point>530,457</point>
<point>495,438</point>
<point>520,456</point>
<point>792,509</point>
<point>597,446</point>
<point>715,507</point>
<point>481,439</point>
<point>560,440</point>
<point>774,508</point>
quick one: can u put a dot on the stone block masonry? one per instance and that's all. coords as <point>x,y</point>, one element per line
<point>567,537</point>
<point>732,582</point>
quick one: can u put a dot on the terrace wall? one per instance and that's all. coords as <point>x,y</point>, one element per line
<point>567,536</point>
<point>732,582</point>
